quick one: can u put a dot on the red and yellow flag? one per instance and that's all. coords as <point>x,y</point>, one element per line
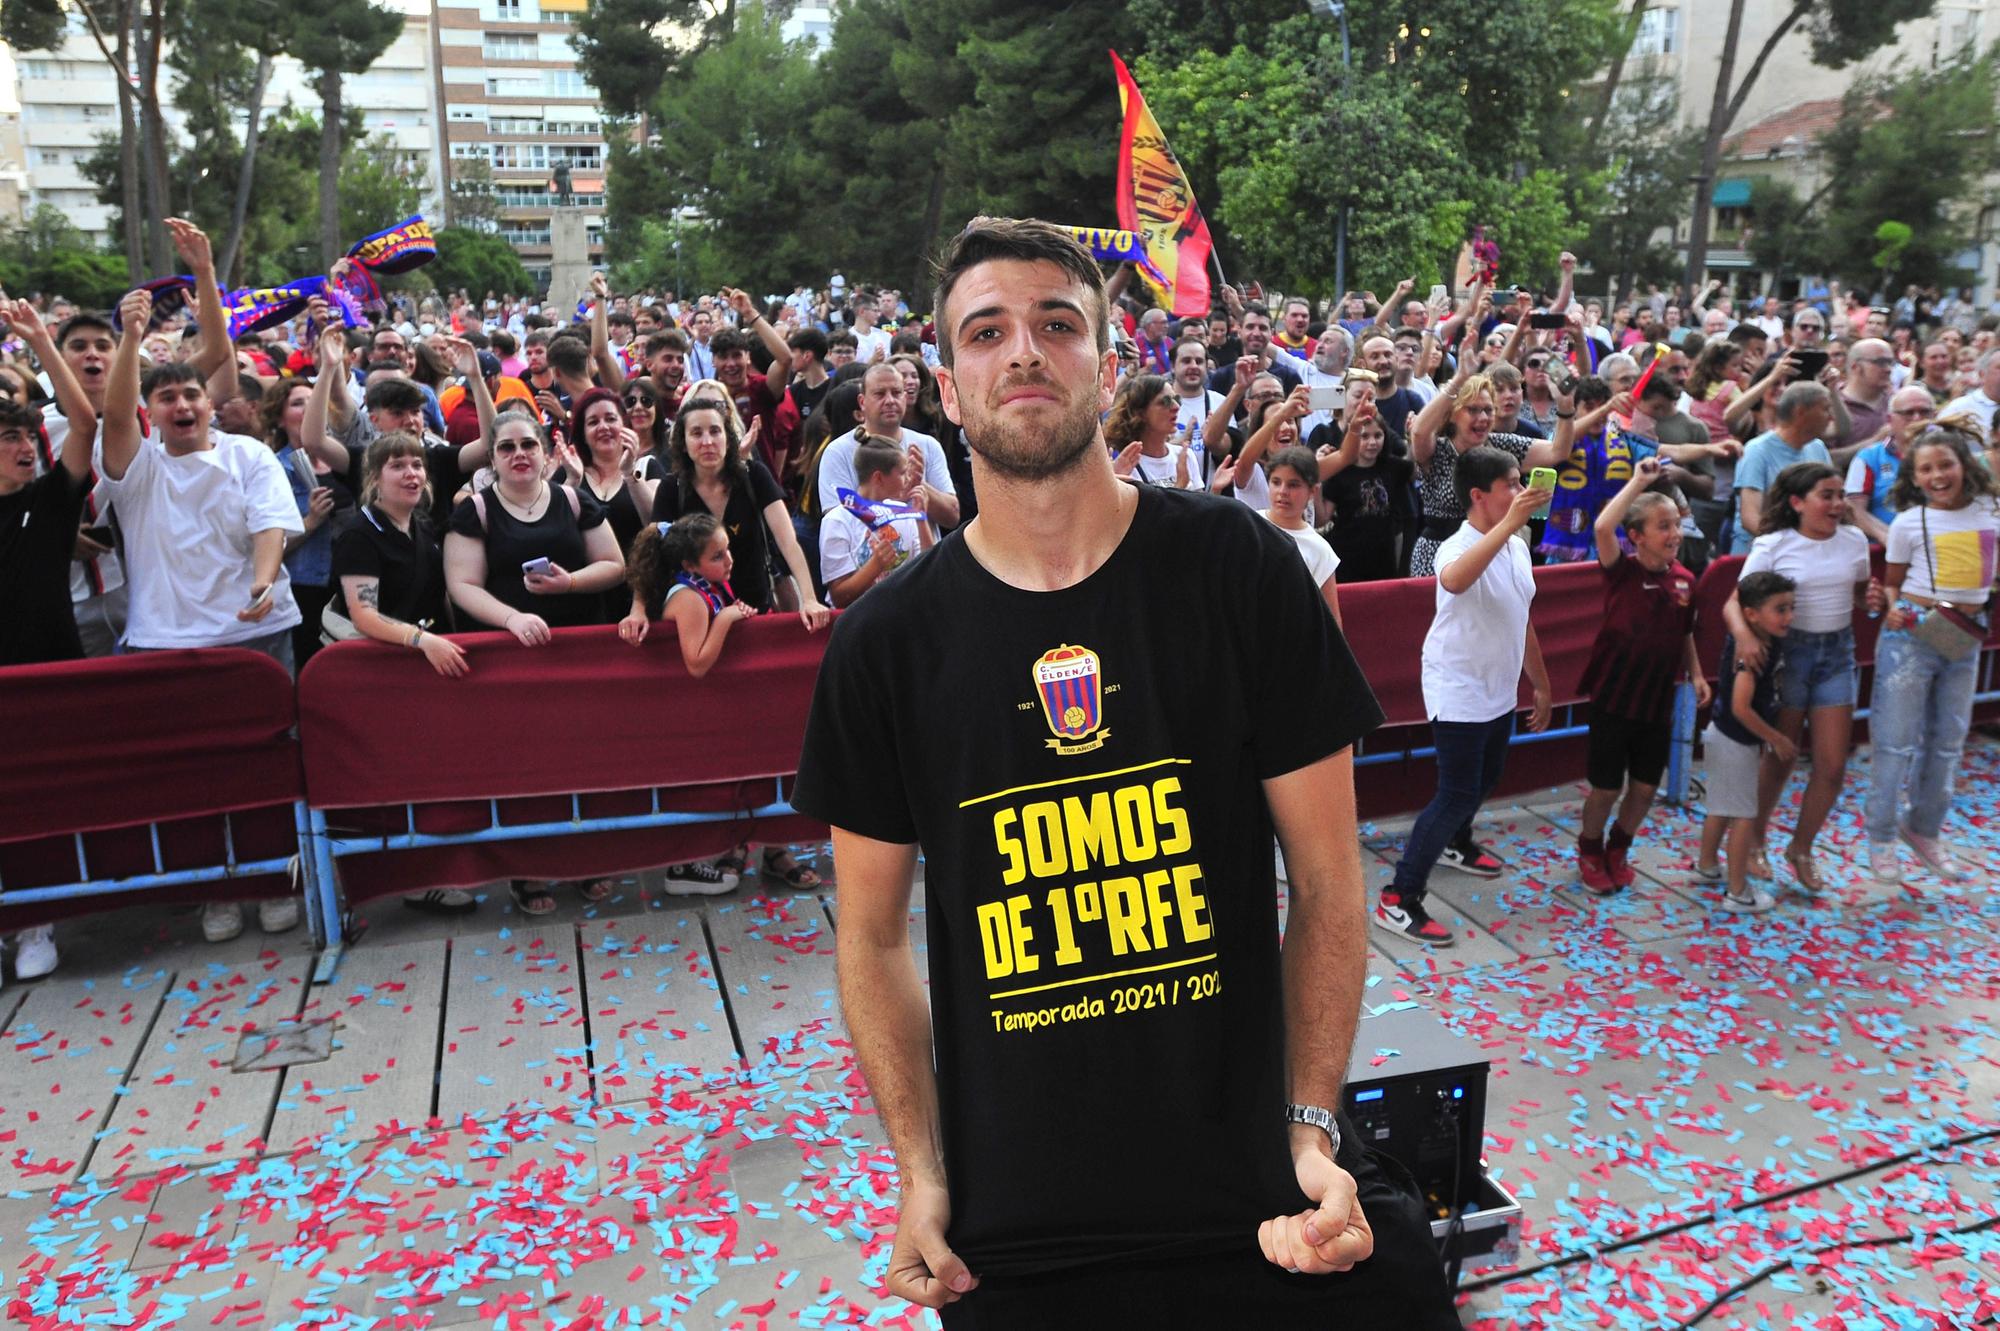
<point>1155,199</point>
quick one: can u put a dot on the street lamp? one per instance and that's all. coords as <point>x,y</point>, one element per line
<point>1337,10</point>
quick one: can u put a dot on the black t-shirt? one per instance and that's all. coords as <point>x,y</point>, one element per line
<point>1368,508</point>
<point>1081,769</point>
<point>1395,409</point>
<point>440,466</point>
<point>556,535</point>
<point>743,518</point>
<point>38,525</point>
<point>1763,696</point>
<point>807,398</point>
<point>409,566</point>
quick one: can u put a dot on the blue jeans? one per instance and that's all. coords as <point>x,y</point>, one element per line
<point>1921,709</point>
<point>1470,755</point>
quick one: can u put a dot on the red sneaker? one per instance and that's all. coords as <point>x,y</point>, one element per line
<point>1596,874</point>
<point>1619,865</point>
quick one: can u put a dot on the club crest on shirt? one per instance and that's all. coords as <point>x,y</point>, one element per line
<point>1070,682</point>
<point>1681,590</point>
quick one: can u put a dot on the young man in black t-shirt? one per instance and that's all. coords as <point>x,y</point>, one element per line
<point>1116,1108</point>
<point>39,514</point>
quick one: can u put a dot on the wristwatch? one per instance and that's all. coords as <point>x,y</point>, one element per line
<point>1314,1116</point>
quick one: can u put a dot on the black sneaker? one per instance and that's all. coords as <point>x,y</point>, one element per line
<point>699,879</point>
<point>1473,859</point>
<point>1411,921</point>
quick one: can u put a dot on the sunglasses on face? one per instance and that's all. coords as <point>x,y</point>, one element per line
<point>637,402</point>
<point>1538,364</point>
<point>510,446</point>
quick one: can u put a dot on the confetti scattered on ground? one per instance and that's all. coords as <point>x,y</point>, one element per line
<point>1657,1064</point>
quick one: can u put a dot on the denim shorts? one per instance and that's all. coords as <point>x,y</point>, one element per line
<point>1818,670</point>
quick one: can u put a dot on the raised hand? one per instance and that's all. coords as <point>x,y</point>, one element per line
<point>192,244</point>
<point>1127,460</point>
<point>135,311</point>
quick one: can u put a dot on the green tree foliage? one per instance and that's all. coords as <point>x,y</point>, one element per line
<point>473,203</point>
<point>1907,150</point>
<point>629,48</point>
<point>47,253</point>
<point>336,37</point>
<point>475,261</point>
<point>1783,238</point>
<point>1643,159</point>
<point>729,147</point>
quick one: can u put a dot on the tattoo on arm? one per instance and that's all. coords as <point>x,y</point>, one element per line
<point>370,595</point>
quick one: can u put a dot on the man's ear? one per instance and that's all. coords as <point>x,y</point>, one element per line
<point>947,385</point>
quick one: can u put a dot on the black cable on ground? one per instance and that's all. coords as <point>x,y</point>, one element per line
<point>1749,1283</point>
<point>1755,1203</point>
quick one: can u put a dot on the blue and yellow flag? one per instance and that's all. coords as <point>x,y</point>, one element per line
<point>409,244</point>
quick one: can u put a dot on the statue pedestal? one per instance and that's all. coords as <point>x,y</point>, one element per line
<point>569,267</point>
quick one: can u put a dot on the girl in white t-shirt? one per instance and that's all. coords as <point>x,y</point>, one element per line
<point>1276,428</point>
<point>1294,478</point>
<point>1804,539</point>
<point>1938,580</point>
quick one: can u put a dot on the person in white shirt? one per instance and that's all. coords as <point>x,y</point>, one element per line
<point>1294,480</point>
<point>205,516</point>
<point>1981,401</point>
<point>884,400</point>
<point>858,549</point>
<point>1197,399</point>
<point>1333,356</point>
<point>1146,443</point>
<point>1479,641</point>
<point>871,343</point>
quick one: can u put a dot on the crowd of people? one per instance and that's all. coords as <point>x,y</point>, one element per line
<point>647,460</point>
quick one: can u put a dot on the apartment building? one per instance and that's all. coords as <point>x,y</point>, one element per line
<point>67,100</point>
<point>514,98</point>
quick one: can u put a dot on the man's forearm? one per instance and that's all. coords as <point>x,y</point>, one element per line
<point>267,555</point>
<point>890,1021</point>
<point>1325,958</point>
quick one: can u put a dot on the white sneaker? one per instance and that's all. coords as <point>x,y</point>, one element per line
<point>699,879</point>
<point>35,952</point>
<point>277,914</point>
<point>1759,902</point>
<point>221,921</point>
<point>1934,853</point>
<point>1884,866</point>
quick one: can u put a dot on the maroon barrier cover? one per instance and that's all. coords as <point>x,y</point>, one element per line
<point>584,713</point>
<point>143,738</point>
<point>1386,623</point>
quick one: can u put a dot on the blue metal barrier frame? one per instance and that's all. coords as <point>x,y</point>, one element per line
<point>322,911</point>
<point>1569,729</point>
<point>324,847</point>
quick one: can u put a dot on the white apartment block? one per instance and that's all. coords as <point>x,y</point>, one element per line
<point>491,79</point>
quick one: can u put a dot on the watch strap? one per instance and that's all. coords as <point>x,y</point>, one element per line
<point>1317,1117</point>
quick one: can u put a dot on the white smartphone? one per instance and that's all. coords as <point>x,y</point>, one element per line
<point>537,567</point>
<point>1438,293</point>
<point>262,600</point>
<point>1327,397</point>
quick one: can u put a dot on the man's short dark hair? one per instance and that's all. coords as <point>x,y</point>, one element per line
<point>1758,588</point>
<point>569,355</point>
<point>251,388</point>
<point>1198,343</point>
<point>376,336</point>
<point>21,416</point>
<point>808,339</point>
<point>987,239</point>
<point>165,376</point>
<point>844,337</point>
<point>393,394</point>
<point>85,319</point>
<point>1658,387</point>
<point>619,317</point>
<point>389,363</point>
<point>538,337</point>
<point>728,342</point>
<point>667,339</point>
<point>1254,308</point>
<point>1478,468</point>
<point>1746,332</point>
<point>1404,333</point>
<point>502,342</point>
<point>535,321</point>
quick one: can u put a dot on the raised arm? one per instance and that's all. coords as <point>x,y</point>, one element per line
<point>1424,429</point>
<point>609,369</point>
<point>465,358</point>
<point>313,434</point>
<point>1612,516</point>
<point>1458,576</point>
<point>1215,429</point>
<point>1741,405</point>
<point>1567,291</point>
<point>70,397</point>
<point>1296,407</point>
<point>751,319</point>
<point>121,390</point>
<point>216,349</point>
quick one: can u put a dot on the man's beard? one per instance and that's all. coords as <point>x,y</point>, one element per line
<point>1027,453</point>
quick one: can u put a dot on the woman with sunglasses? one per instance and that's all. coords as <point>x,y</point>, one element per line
<point>650,421</point>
